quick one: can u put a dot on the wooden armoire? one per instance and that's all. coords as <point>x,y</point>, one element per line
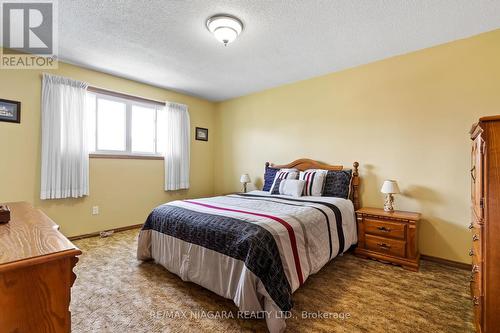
<point>485,224</point>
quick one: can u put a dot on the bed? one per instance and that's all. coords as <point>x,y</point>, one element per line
<point>254,248</point>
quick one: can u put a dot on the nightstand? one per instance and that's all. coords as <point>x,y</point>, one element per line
<point>388,237</point>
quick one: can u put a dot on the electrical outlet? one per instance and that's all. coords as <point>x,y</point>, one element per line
<point>95,210</point>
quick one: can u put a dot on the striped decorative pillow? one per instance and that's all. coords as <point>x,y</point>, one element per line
<point>283,174</point>
<point>315,179</point>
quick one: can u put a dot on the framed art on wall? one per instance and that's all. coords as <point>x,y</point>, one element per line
<point>201,134</point>
<point>10,111</point>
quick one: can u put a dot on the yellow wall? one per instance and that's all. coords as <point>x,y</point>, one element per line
<point>125,190</point>
<point>405,118</point>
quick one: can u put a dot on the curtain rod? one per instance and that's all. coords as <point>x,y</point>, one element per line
<point>123,95</point>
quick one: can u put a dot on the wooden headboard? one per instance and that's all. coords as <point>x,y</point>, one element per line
<point>305,163</point>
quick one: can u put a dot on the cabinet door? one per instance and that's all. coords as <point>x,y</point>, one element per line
<point>476,173</point>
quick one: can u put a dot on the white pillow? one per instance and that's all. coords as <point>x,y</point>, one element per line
<point>283,174</point>
<point>293,187</point>
<point>314,182</point>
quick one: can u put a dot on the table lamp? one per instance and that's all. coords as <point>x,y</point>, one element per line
<point>245,178</point>
<point>389,187</point>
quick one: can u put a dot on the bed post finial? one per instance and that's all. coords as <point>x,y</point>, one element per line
<point>267,166</point>
<point>355,186</point>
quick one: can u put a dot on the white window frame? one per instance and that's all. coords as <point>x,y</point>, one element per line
<point>129,103</point>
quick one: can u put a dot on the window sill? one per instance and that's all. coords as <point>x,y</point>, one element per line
<point>126,157</point>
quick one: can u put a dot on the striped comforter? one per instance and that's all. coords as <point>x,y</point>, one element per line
<point>253,248</point>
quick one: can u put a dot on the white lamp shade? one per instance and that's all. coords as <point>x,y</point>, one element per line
<point>245,178</point>
<point>390,187</point>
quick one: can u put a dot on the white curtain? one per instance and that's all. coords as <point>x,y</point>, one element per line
<point>177,147</point>
<point>65,156</point>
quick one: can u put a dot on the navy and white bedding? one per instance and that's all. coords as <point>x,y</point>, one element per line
<point>254,248</point>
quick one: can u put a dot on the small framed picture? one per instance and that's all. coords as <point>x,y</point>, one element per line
<point>10,111</point>
<point>201,134</point>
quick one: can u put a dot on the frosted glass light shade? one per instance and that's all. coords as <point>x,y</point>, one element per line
<point>390,187</point>
<point>245,178</point>
<point>225,35</point>
<point>225,28</point>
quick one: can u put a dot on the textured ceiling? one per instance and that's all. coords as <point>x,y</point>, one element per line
<point>166,44</point>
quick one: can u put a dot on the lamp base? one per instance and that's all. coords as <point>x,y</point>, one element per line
<point>244,187</point>
<point>388,204</point>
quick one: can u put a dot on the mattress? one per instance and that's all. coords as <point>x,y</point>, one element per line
<point>253,248</point>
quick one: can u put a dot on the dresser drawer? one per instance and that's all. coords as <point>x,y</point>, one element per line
<point>476,174</point>
<point>477,305</point>
<point>477,259</point>
<point>476,275</point>
<point>475,218</point>
<point>386,245</point>
<point>476,249</point>
<point>384,228</point>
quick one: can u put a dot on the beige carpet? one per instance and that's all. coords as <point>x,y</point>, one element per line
<point>116,293</point>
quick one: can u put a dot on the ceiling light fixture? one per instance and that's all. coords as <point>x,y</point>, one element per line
<point>225,28</point>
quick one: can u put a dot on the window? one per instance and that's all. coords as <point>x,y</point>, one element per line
<point>126,126</point>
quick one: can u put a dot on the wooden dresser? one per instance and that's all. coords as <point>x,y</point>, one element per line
<point>36,273</point>
<point>388,237</point>
<point>485,224</point>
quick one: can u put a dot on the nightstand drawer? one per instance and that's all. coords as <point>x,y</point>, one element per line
<point>384,228</point>
<point>386,245</point>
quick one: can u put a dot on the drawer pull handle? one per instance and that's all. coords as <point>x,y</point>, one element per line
<point>384,246</point>
<point>471,226</point>
<point>475,300</point>
<point>384,229</point>
<point>473,173</point>
<point>475,270</point>
<point>471,252</point>
<point>475,237</point>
